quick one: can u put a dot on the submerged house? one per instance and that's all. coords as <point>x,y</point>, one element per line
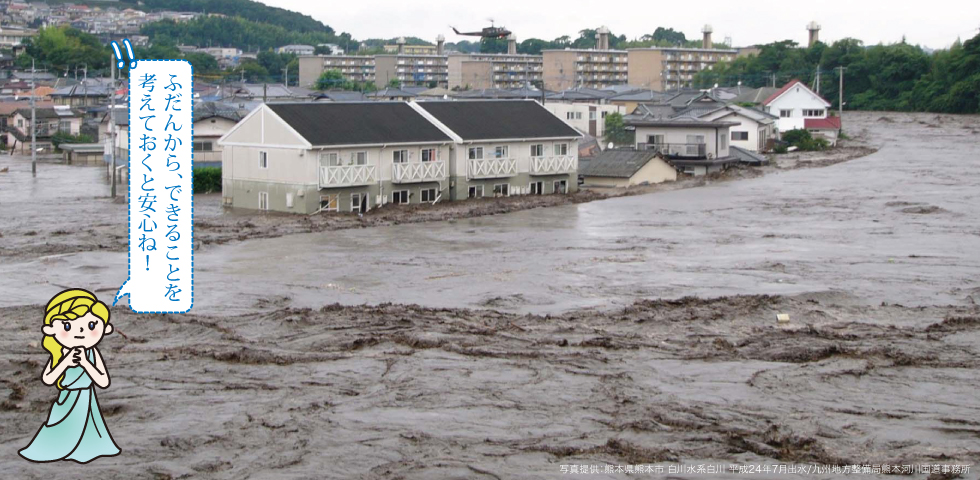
<point>693,145</point>
<point>354,156</point>
<point>626,168</point>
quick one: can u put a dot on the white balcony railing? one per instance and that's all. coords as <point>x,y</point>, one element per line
<point>492,168</point>
<point>418,172</point>
<point>552,165</point>
<point>347,176</point>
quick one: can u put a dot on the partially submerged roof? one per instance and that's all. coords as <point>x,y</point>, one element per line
<point>499,119</point>
<point>747,156</point>
<point>616,163</point>
<point>829,123</point>
<point>352,123</point>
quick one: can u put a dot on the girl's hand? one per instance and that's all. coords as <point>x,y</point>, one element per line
<point>73,358</point>
<point>80,358</point>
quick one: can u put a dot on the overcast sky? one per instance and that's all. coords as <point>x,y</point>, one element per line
<point>934,24</point>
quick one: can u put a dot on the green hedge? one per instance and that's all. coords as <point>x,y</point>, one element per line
<point>207,179</point>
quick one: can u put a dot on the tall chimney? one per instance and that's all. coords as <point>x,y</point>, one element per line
<point>511,44</point>
<point>814,29</point>
<point>706,42</point>
<point>401,45</point>
<point>440,44</point>
<point>602,37</point>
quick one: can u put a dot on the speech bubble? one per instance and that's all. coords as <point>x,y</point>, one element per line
<point>161,196</point>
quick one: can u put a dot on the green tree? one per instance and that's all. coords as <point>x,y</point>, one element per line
<point>616,132</point>
<point>332,80</point>
<point>203,63</point>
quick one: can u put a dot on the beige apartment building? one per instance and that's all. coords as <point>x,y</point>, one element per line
<point>569,68</point>
<point>412,70</point>
<point>496,70</point>
<point>353,67</point>
<point>412,49</point>
<point>672,68</point>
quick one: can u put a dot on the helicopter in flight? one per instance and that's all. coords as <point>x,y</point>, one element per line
<point>488,32</point>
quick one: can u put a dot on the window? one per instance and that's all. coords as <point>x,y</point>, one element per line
<point>736,136</point>
<point>592,115</point>
<point>561,149</point>
<point>604,114</point>
<point>428,195</point>
<point>694,145</point>
<point>64,126</point>
<point>329,203</point>
<point>569,115</point>
<point>578,115</point>
<point>203,146</point>
<point>813,113</point>
<point>561,186</point>
<point>476,153</point>
<point>501,190</point>
<point>399,197</point>
<point>475,191</point>
<point>500,152</point>
<point>785,113</point>
<point>537,150</point>
<point>329,159</point>
<point>263,160</point>
<point>429,155</point>
<point>536,188</point>
<point>263,200</point>
<point>358,158</point>
<point>20,122</point>
<point>723,142</point>
<point>399,156</point>
<point>358,202</point>
<point>655,139</point>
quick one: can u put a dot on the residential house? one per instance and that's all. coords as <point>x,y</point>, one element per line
<point>297,49</point>
<point>755,129</point>
<point>211,121</point>
<point>794,104</point>
<point>631,98</point>
<point>390,94</point>
<point>328,156</point>
<point>626,168</point>
<point>693,145</point>
<point>754,97</point>
<point>827,128</point>
<point>585,117</point>
<point>87,93</point>
<point>48,121</point>
<point>506,147</point>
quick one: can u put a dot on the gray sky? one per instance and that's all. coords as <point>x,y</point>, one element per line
<point>934,24</point>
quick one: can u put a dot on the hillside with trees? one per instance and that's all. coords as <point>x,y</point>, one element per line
<point>899,76</point>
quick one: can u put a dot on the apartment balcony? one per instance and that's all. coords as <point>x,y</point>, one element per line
<point>347,176</point>
<point>492,168</point>
<point>677,150</point>
<point>552,165</point>
<point>418,172</point>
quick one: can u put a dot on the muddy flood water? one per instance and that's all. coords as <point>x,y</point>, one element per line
<point>631,330</point>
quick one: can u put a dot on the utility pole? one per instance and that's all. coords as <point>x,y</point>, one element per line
<point>33,125</point>
<point>112,125</point>
<point>840,102</point>
<point>818,81</point>
<point>285,76</point>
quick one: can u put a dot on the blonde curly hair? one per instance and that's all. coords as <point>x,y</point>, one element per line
<point>69,305</point>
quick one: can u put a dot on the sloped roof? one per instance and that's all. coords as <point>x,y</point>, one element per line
<point>499,119</point>
<point>755,95</point>
<point>639,96</point>
<point>48,113</point>
<point>788,86</point>
<point>747,156</point>
<point>616,163</point>
<point>829,123</point>
<point>358,123</point>
<point>341,96</point>
<point>205,110</point>
<point>390,93</point>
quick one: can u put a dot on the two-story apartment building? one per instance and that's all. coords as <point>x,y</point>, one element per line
<point>354,156</point>
<point>506,147</point>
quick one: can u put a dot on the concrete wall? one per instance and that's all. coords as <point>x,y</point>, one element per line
<point>310,69</point>
<point>559,69</point>
<point>645,69</point>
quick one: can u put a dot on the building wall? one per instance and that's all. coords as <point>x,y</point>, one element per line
<point>587,118</point>
<point>471,75</point>
<point>796,99</point>
<point>645,69</point>
<point>558,69</point>
<point>519,183</point>
<point>407,69</point>
<point>758,132</point>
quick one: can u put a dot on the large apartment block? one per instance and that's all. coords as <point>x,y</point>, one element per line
<point>412,70</point>
<point>672,68</point>
<point>352,67</point>
<point>494,70</point>
<point>305,158</point>
<point>569,68</point>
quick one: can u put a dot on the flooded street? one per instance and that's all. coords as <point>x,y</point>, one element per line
<point>631,330</point>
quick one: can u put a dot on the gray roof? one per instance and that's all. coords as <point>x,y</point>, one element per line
<point>639,96</point>
<point>205,110</point>
<point>350,123</point>
<point>617,163</point>
<point>341,96</point>
<point>746,156</point>
<point>488,93</point>
<point>580,93</point>
<point>390,93</point>
<point>47,113</point>
<point>755,95</point>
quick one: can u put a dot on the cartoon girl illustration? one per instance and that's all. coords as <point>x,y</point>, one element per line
<point>74,323</point>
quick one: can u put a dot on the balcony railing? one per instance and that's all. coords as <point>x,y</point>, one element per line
<point>492,168</point>
<point>418,172</point>
<point>347,176</point>
<point>552,165</point>
<point>676,150</point>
